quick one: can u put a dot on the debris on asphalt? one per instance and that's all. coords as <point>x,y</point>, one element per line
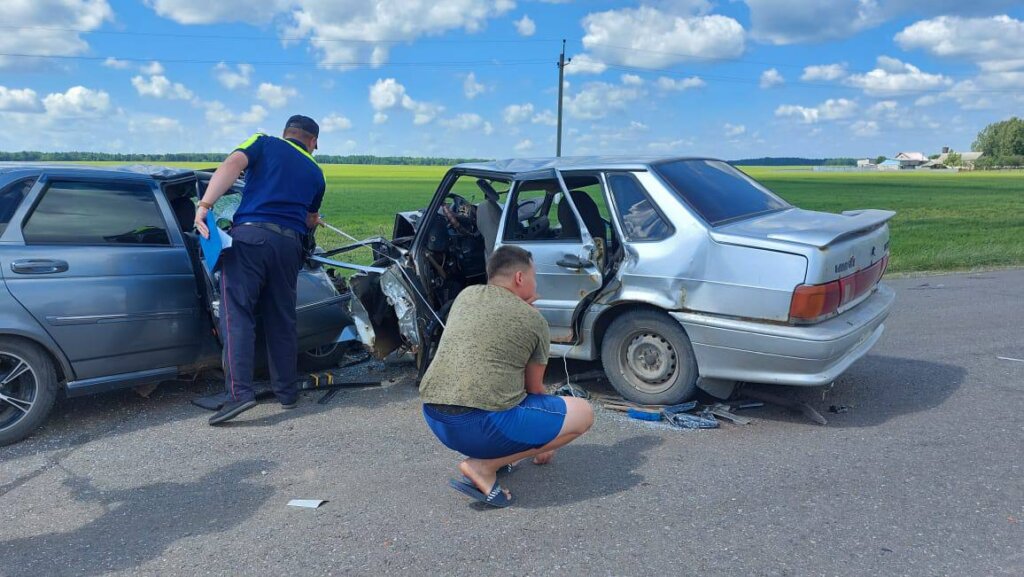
<point>838,409</point>
<point>642,415</point>
<point>792,404</point>
<point>725,412</point>
<point>1010,359</point>
<point>306,503</point>
<point>678,416</point>
<point>705,420</point>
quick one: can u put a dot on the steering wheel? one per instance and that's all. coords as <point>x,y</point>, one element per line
<point>529,211</point>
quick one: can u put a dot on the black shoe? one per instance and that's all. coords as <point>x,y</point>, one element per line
<point>290,406</point>
<point>230,410</point>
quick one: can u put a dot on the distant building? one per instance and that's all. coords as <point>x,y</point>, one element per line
<point>909,160</point>
<point>866,163</point>
<point>890,164</point>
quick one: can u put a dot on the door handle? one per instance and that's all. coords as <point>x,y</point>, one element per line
<point>39,266</point>
<point>573,262</point>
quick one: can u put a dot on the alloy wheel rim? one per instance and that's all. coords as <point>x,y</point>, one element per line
<point>18,389</point>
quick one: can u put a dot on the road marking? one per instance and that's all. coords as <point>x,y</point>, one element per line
<point>1010,359</point>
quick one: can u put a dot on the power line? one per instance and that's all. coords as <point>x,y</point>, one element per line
<point>805,84</point>
<point>293,63</point>
<point>286,38</point>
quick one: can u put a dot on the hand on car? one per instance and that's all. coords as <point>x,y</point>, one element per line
<point>201,221</point>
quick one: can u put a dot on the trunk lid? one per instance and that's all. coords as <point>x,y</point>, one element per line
<point>836,245</point>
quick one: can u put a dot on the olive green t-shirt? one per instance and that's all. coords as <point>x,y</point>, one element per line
<point>490,336</point>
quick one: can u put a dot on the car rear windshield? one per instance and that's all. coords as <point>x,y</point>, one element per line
<point>717,191</point>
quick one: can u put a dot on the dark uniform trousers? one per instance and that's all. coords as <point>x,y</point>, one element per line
<point>258,277</point>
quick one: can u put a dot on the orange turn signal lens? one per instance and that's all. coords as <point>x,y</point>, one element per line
<point>813,301</point>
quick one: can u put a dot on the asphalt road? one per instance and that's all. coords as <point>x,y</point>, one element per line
<point>922,476</point>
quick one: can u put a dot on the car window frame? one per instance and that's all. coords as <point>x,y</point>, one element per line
<point>507,220</point>
<point>46,181</point>
<point>643,190</point>
<point>35,178</point>
<point>696,213</point>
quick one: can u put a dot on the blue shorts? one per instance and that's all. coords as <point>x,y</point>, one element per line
<point>479,434</point>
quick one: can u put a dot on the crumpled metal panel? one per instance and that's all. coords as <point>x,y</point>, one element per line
<point>405,308</point>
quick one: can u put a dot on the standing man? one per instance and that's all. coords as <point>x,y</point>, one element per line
<point>284,187</point>
<point>484,395</point>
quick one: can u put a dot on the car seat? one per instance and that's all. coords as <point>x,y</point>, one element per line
<point>488,216</point>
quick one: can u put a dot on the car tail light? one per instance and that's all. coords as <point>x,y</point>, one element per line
<point>814,302</point>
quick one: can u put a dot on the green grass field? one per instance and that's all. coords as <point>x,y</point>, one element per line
<point>945,221</point>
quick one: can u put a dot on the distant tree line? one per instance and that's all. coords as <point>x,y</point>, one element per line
<point>1002,144</point>
<point>217,157</point>
<point>794,161</point>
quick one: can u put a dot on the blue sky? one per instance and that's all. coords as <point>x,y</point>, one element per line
<point>731,78</point>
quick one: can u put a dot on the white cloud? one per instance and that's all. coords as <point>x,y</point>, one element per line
<point>734,130</point>
<point>678,85</point>
<point>488,129</point>
<point>231,124</point>
<point>517,113</point>
<point>77,102</point>
<point>335,123</point>
<point>346,31</point>
<point>464,122</point>
<point>824,72</point>
<point>831,109</point>
<point>524,145</point>
<point>883,107</point>
<point>206,12</point>
<point>471,88</point>
<point>770,78</point>
<point>864,128</point>
<point>232,79</point>
<point>160,87</point>
<point>668,146</point>
<point>116,64</point>
<point>585,64</point>
<point>647,37</point>
<point>632,80</point>
<point>275,96</point>
<point>545,117</point>
<point>154,68</point>
<point>525,26</point>
<point>51,28</point>
<point>19,100</point>
<point>597,99</point>
<point>153,124</point>
<point>635,125</point>
<point>388,93</point>
<point>966,93</point>
<point>895,76</point>
<point>996,43</point>
<point>797,21</point>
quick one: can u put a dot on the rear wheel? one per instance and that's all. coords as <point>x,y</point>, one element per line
<point>648,358</point>
<point>324,357</point>
<point>28,389</point>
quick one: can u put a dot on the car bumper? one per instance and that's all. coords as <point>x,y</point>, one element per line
<point>809,355</point>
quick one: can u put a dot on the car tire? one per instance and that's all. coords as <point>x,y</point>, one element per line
<point>33,389</point>
<point>648,359</point>
<point>322,358</point>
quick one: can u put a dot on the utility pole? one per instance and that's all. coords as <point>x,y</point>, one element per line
<point>561,86</point>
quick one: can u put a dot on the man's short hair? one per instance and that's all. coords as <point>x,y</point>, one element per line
<point>507,260</point>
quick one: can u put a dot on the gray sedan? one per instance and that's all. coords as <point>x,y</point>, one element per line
<point>675,272</point>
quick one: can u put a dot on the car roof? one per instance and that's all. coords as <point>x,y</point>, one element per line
<point>124,171</point>
<point>521,165</point>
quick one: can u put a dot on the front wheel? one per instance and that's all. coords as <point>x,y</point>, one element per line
<point>28,389</point>
<point>648,359</point>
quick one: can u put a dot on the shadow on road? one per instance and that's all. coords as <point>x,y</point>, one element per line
<point>582,472</point>
<point>138,524</point>
<point>875,390</point>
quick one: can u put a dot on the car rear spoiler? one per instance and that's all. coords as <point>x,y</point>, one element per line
<point>859,222</point>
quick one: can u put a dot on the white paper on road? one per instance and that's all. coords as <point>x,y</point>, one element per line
<point>306,503</point>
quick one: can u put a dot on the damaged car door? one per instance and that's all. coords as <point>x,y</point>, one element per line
<point>562,228</point>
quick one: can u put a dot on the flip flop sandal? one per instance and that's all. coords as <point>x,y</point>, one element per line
<point>496,498</point>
